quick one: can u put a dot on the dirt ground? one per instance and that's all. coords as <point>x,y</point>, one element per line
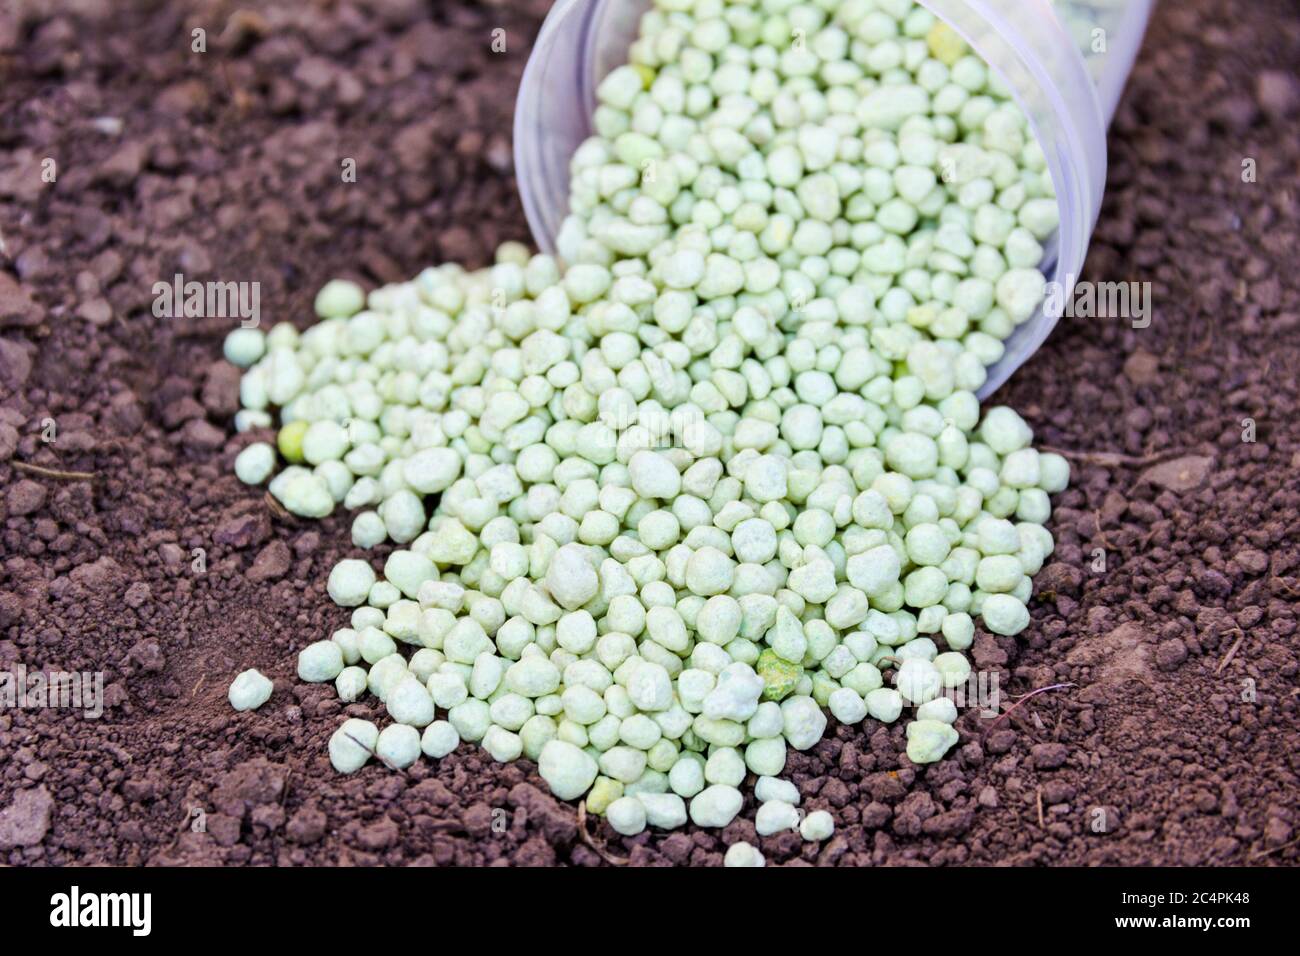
<point>1169,610</point>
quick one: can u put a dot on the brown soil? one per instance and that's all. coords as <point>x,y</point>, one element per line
<point>1175,743</point>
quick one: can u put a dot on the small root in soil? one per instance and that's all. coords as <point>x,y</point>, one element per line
<point>1024,698</point>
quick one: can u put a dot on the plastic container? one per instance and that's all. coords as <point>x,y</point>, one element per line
<point>1065,62</point>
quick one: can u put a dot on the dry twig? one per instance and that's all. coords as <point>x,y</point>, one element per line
<point>1113,459</point>
<point>277,509</point>
<point>54,472</point>
<point>1227,658</point>
<point>374,753</point>
<point>1263,853</point>
<point>597,846</point>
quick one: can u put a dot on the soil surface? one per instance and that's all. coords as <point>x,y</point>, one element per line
<point>1168,613</point>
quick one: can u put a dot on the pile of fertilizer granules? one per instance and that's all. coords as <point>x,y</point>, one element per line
<point>659,503</point>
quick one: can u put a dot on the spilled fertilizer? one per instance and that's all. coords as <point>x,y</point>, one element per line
<point>662,501</point>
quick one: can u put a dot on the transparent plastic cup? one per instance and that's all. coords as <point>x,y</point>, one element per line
<point>1065,62</point>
